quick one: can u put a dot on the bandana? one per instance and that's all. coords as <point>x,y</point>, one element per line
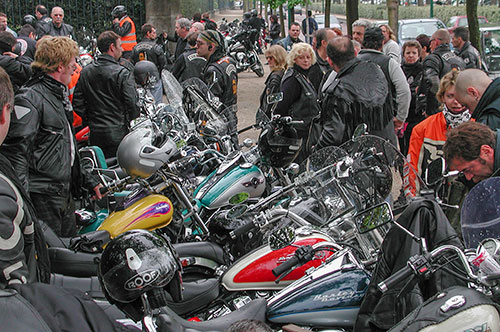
<point>453,120</point>
<point>211,37</point>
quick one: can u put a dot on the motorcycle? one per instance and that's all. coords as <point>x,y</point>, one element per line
<point>242,48</point>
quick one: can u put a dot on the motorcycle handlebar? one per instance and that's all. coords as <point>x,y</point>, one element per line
<point>285,266</point>
<point>395,279</point>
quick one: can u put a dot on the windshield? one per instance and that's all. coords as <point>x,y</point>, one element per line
<point>412,30</point>
<point>173,92</point>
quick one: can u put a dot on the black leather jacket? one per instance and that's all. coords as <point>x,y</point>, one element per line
<point>63,30</point>
<point>226,87</point>
<point>273,83</point>
<point>424,218</point>
<point>149,50</point>
<point>105,95</point>
<point>470,55</point>
<point>436,65</point>
<point>357,95</point>
<point>275,30</point>
<point>488,109</point>
<point>188,65</point>
<point>39,143</point>
<point>18,69</point>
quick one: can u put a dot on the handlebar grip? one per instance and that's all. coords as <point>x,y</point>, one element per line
<point>395,279</point>
<point>285,266</point>
<point>241,230</point>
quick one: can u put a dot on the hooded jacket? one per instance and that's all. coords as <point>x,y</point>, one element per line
<point>487,110</point>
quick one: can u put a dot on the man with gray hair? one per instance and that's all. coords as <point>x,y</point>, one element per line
<point>358,30</point>
<point>476,91</point>
<point>182,27</point>
<point>57,27</point>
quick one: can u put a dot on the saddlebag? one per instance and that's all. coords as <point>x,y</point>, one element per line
<point>454,309</point>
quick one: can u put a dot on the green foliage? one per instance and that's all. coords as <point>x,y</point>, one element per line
<point>379,12</point>
<point>189,7</point>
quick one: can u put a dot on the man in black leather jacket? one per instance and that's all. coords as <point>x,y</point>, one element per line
<point>356,94</point>
<point>18,67</point>
<point>57,27</point>
<point>464,49</point>
<point>189,64</point>
<point>436,65</point>
<point>105,96</point>
<point>220,74</point>
<point>149,50</point>
<point>40,143</point>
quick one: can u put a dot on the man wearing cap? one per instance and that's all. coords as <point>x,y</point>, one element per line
<point>220,73</point>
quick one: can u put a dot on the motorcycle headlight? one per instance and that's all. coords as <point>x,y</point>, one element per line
<point>240,56</point>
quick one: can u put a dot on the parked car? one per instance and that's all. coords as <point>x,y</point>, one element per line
<point>334,22</point>
<point>410,28</point>
<point>490,53</point>
<point>461,21</point>
<point>238,4</point>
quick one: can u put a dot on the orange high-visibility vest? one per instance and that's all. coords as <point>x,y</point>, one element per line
<point>129,40</point>
<point>77,120</point>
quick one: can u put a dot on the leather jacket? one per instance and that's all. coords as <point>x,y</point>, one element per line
<point>18,69</point>
<point>40,143</point>
<point>226,87</point>
<point>188,65</point>
<point>357,95</point>
<point>436,65</point>
<point>488,109</point>
<point>470,55</point>
<point>149,50</point>
<point>64,30</point>
<point>275,30</point>
<point>105,95</point>
<point>273,83</point>
<point>425,219</point>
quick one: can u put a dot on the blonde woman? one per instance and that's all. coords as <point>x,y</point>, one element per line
<point>276,59</point>
<point>391,47</point>
<point>299,96</point>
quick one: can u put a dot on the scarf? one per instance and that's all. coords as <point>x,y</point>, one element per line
<point>454,119</point>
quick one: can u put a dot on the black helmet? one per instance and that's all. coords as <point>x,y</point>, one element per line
<point>247,15</point>
<point>29,19</point>
<point>280,146</point>
<point>138,262</point>
<point>146,73</point>
<point>480,214</point>
<point>253,12</point>
<point>119,11</point>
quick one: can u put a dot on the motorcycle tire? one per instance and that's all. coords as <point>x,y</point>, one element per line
<point>258,68</point>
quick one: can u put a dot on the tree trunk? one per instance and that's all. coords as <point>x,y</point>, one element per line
<point>351,14</point>
<point>420,3</point>
<point>471,10</point>
<point>282,21</point>
<point>392,15</point>
<point>328,10</point>
<point>162,14</point>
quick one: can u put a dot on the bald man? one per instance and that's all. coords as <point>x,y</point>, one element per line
<point>476,91</point>
<point>436,65</point>
<point>321,67</point>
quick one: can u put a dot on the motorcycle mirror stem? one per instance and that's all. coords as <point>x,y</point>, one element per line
<point>148,324</point>
<point>419,240</point>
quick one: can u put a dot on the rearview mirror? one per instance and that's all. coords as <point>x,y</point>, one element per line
<point>434,171</point>
<point>281,238</point>
<point>360,130</point>
<point>373,217</point>
<point>275,98</point>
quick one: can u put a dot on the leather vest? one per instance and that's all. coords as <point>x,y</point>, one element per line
<point>306,107</point>
<point>194,65</point>
<point>383,61</point>
<point>227,68</point>
<point>129,40</point>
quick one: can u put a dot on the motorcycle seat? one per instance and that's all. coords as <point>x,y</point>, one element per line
<point>196,294</point>
<point>170,321</point>
<point>206,250</point>
<point>89,285</point>
<point>73,263</point>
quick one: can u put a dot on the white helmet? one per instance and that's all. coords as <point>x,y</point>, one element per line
<point>140,157</point>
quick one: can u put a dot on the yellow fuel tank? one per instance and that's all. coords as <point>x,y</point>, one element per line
<point>151,212</point>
